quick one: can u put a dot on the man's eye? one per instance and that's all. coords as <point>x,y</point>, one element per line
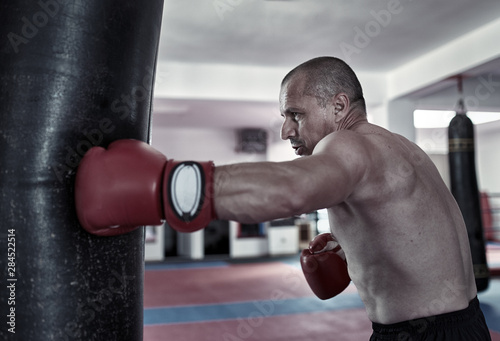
<point>295,116</point>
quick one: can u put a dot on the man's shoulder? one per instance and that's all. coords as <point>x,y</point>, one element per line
<point>370,147</point>
<point>343,141</point>
<point>347,150</point>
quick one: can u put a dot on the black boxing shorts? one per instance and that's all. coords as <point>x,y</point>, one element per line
<point>467,324</point>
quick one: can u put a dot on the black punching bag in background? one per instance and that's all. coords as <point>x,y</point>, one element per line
<point>73,74</point>
<point>463,182</point>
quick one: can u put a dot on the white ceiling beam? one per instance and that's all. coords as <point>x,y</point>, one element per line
<point>237,83</point>
<point>217,81</point>
<point>453,58</point>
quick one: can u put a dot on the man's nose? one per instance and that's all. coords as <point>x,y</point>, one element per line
<point>287,129</point>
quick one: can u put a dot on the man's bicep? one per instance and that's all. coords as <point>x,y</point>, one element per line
<point>332,179</point>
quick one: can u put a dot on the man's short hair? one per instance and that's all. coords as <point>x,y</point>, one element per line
<point>327,76</point>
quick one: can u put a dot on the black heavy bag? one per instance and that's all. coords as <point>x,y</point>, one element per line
<point>463,184</point>
<point>73,74</point>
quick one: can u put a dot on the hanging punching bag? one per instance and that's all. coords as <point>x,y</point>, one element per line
<point>73,74</point>
<point>463,183</point>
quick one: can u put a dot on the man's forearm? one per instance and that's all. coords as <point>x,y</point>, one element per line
<point>255,192</point>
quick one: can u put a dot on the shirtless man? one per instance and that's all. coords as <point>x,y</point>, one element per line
<point>400,229</point>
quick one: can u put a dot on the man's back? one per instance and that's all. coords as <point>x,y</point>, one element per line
<point>402,232</point>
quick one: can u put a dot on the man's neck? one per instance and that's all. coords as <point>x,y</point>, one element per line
<point>353,118</point>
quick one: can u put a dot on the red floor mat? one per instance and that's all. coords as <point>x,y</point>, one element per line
<point>346,325</point>
<point>234,283</point>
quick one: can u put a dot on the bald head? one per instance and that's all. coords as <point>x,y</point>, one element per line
<point>327,76</point>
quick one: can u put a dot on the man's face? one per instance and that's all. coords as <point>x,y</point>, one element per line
<point>305,122</point>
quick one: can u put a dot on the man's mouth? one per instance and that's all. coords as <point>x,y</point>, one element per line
<point>299,149</point>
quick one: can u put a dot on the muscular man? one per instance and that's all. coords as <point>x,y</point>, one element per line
<point>400,229</point>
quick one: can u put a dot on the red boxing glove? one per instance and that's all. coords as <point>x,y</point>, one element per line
<point>324,269</point>
<point>120,188</point>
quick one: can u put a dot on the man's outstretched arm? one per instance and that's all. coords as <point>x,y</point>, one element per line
<point>263,191</point>
<point>131,184</point>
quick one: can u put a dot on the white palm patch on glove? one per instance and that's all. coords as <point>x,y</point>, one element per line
<point>186,190</point>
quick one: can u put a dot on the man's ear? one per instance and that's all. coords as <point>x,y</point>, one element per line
<point>340,106</point>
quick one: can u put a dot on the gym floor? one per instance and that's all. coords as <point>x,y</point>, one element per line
<point>263,299</point>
